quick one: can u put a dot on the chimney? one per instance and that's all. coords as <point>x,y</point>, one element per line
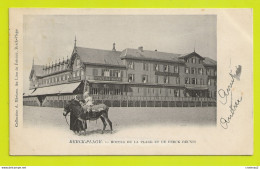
<point>114,47</point>
<point>141,48</point>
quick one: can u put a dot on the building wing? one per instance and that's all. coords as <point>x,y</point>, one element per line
<point>149,55</point>
<point>99,56</point>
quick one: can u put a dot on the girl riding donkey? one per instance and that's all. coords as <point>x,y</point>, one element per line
<point>88,111</point>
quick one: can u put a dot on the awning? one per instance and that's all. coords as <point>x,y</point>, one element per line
<point>28,92</point>
<point>57,89</point>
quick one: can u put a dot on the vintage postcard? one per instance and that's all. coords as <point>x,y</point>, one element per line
<point>131,81</point>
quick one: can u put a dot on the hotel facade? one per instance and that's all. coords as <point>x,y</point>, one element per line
<point>128,78</point>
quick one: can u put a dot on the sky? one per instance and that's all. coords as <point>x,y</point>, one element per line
<point>51,37</point>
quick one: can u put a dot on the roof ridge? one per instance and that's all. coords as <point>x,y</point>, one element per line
<point>156,51</point>
<point>98,49</point>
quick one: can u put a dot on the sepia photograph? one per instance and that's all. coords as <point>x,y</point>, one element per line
<point>121,70</point>
<point>122,83</point>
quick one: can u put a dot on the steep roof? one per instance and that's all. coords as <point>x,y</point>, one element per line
<point>149,55</point>
<point>99,56</point>
<point>210,62</point>
<point>38,69</point>
<point>187,55</point>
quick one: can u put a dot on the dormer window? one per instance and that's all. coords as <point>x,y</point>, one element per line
<point>193,60</point>
<point>176,69</point>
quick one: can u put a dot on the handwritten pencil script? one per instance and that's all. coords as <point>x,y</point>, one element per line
<point>226,97</point>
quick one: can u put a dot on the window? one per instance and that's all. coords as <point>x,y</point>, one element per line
<point>156,67</point>
<point>201,82</point>
<point>63,77</point>
<point>194,81</point>
<point>215,72</point>
<point>77,63</point>
<point>176,69</point>
<point>131,78</point>
<point>82,72</point>
<point>77,72</point>
<point>64,66</point>
<point>118,92</point>
<point>74,74</point>
<point>130,64</point>
<point>208,71</point>
<point>95,72</point>
<point>94,91</point>
<point>145,79</point>
<point>193,60</point>
<point>156,79</point>
<point>60,67</point>
<point>105,72</point>
<point>187,80</point>
<point>200,71</point>
<point>187,70</point>
<point>145,66</point>
<point>176,93</point>
<point>177,80</point>
<point>209,82</point>
<point>116,73</point>
<point>187,60</point>
<point>106,91</point>
<point>166,79</point>
<point>193,71</point>
<point>165,68</point>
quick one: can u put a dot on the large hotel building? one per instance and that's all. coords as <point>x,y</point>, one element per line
<point>128,78</point>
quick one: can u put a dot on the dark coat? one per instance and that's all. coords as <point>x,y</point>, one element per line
<point>77,111</point>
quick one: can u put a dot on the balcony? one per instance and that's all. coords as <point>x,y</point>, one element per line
<point>166,74</point>
<point>196,86</point>
<point>107,78</point>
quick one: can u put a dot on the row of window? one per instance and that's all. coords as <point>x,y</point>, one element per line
<point>107,91</point>
<point>200,71</point>
<point>54,79</point>
<point>193,60</point>
<point>199,81</point>
<point>78,73</point>
<point>108,73</point>
<point>131,78</point>
<point>156,67</point>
